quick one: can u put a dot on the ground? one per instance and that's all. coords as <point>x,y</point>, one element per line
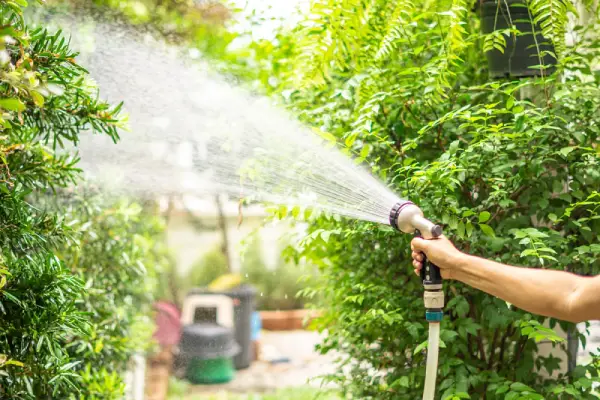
<point>303,369</point>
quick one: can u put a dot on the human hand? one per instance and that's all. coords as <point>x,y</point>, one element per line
<point>439,251</point>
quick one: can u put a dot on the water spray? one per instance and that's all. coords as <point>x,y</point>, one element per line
<point>408,218</point>
<point>215,138</point>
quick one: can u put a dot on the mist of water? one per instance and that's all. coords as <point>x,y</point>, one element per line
<point>192,132</point>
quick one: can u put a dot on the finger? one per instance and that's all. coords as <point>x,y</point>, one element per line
<point>418,256</point>
<point>417,264</point>
<point>417,273</point>
<point>418,244</point>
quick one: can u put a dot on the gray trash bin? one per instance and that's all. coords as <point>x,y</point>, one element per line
<point>244,305</point>
<point>208,349</point>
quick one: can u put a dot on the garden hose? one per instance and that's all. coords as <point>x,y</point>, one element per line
<point>407,217</point>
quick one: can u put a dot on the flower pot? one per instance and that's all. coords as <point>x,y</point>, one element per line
<point>526,54</point>
<point>287,320</point>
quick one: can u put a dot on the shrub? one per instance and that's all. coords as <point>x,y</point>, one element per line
<point>209,267</point>
<point>119,253</point>
<point>45,102</point>
<point>277,288</point>
<point>74,287</point>
<point>513,177</point>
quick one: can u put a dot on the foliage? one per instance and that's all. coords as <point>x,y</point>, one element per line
<point>511,168</point>
<point>45,101</point>
<point>209,267</point>
<point>277,287</point>
<point>174,286</point>
<point>202,24</point>
<point>75,291</point>
<point>119,253</point>
<point>511,176</point>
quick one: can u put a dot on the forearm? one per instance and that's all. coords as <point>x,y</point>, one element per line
<point>544,292</point>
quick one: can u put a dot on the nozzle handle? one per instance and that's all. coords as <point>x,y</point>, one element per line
<point>430,273</point>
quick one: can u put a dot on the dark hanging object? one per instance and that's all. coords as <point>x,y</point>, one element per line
<point>521,58</point>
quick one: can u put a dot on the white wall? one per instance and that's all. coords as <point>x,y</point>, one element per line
<point>189,244</point>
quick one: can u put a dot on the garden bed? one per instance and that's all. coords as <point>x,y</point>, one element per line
<point>287,320</point>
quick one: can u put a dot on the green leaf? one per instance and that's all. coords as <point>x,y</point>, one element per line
<point>511,396</point>
<point>364,152</point>
<point>520,387</point>
<point>15,363</point>
<point>486,229</point>
<point>502,389</point>
<point>484,216</point>
<point>12,104</point>
<point>510,102</point>
<point>325,135</point>
<point>469,229</point>
<point>461,229</point>
<point>37,97</point>
<point>461,395</point>
<point>295,212</point>
<point>529,252</point>
<point>565,151</point>
<point>420,347</point>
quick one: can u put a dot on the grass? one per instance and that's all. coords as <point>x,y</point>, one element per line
<point>178,390</point>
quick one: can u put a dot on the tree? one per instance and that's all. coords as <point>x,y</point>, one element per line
<point>46,101</point>
<point>405,85</point>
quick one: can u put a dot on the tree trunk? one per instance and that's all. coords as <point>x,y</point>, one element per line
<point>172,274</point>
<point>222,224</point>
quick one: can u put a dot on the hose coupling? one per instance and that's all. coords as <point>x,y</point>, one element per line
<point>433,299</point>
<point>434,302</point>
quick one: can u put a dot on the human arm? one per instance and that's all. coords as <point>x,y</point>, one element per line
<point>556,294</point>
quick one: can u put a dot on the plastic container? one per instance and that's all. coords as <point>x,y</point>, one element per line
<point>521,58</point>
<point>209,349</point>
<point>244,306</point>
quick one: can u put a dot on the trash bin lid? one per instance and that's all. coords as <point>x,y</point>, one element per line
<point>243,291</point>
<point>207,341</point>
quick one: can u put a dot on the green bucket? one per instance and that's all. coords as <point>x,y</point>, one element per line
<point>216,370</point>
<point>209,349</point>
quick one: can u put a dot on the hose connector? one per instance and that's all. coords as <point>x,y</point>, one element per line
<point>434,302</point>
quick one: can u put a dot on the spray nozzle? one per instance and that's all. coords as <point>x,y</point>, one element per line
<point>407,217</point>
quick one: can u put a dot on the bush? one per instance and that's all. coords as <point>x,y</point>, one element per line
<point>209,267</point>
<point>45,102</point>
<point>120,251</point>
<point>513,177</point>
<point>74,287</point>
<point>278,288</point>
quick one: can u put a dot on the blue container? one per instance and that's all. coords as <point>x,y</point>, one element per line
<point>255,326</point>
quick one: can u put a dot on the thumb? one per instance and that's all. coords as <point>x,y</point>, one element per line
<point>419,244</point>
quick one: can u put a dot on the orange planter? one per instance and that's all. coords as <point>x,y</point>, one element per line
<point>287,320</point>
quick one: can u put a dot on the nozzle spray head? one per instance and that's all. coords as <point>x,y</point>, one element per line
<point>407,217</point>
